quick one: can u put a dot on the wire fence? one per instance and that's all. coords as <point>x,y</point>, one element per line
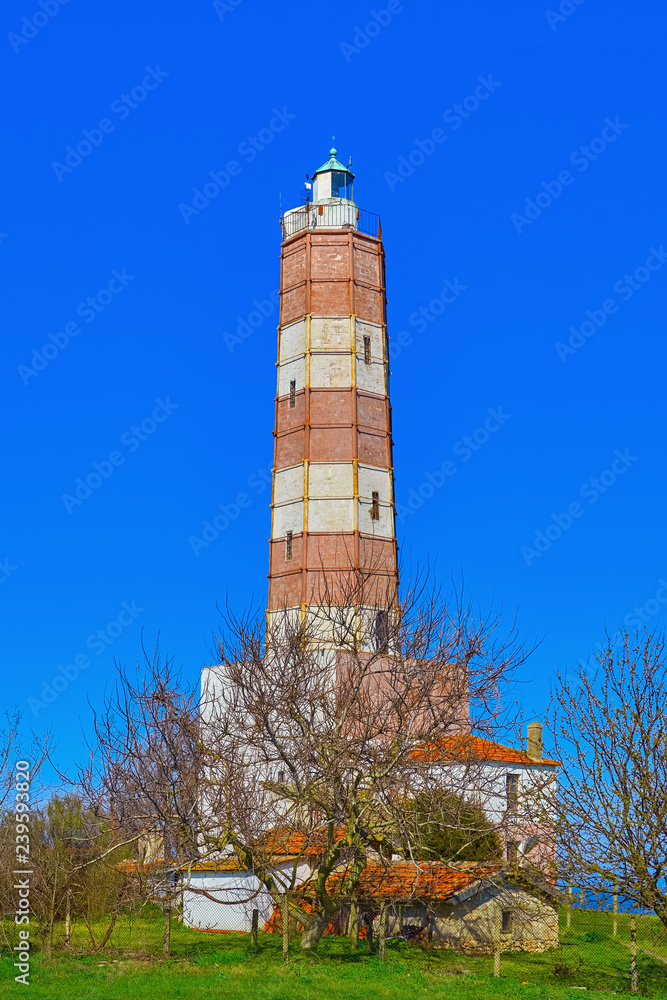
<point>576,946</point>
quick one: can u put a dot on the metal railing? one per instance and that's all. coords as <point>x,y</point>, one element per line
<point>334,215</point>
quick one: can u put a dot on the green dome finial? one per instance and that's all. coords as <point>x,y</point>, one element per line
<point>332,163</point>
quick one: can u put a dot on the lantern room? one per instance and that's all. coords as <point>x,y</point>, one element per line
<point>332,180</point>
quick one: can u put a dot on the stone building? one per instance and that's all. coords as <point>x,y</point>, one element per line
<point>471,908</point>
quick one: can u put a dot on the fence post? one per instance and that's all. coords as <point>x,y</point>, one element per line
<point>568,918</point>
<point>614,908</point>
<point>354,925</point>
<point>382,931</point>
<point>285,928</point>
<point>68,918</point>
<point>496,942</point>
<point>633,954</point>
<point>254,926</point>
<point>166,940</point>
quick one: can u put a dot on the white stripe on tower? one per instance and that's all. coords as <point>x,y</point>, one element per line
<point>337,498</point>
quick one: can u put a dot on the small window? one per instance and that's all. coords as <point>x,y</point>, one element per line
<point>375,506</point>
<point>381,631</point>
<point>507,922</point>
<point>288,545</point>
<point>368,357</point>
<point>292,394</point>
<point>512,850</point>
<point>512,791</point>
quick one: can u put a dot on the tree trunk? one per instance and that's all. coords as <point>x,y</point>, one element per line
<point>354,925</point>
<point>369,932</point>
<point>285,928</point>
<point>109,930</point>
<point>614,906</point>
<point>382,930</point>
<point>310,938</point>
<point>254,927</point>
<point>90,930</point>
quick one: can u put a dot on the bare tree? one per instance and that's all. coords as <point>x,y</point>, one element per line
<point>309,740</point>
<point>13,747</point>
<point>610,808</point>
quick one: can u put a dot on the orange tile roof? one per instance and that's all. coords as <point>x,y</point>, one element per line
<point>407,880</point>
<point>287,840</point>
<point>472,748</point>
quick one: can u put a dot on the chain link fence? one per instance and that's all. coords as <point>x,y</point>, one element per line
<point>595,948</point>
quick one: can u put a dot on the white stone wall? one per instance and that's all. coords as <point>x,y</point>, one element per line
<point>237,895</point>
<point>334,501</point>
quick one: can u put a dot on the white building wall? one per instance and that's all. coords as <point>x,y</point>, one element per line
<point>331,371</point>
<point>292,341</point>
<point>330,515</point>
<point>330,333</point>
<point>294,370</point>
<point>288,517</point>
<point>329,480</point>
<point>239,893</point>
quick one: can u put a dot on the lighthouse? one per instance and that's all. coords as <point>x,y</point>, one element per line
<point>333,520</point>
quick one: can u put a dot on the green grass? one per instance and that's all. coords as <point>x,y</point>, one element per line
<point>227,966</point>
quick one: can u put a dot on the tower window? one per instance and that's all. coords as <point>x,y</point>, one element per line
<point>368,357</point>
<point>512,791</point>
<point>381,631</point>
<point>288,545</point>
<point>292,394</point>
<point>506,925</point>
<point>375,506</point>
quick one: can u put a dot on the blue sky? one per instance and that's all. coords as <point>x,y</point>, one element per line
<point>515,151</point>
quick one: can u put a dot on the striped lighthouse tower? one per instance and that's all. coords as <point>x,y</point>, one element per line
<point>333,493</point>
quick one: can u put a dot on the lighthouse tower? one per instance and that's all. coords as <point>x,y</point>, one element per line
<point>333,492</point>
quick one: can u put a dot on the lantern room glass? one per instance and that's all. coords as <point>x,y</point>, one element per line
<point>341,184</point>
